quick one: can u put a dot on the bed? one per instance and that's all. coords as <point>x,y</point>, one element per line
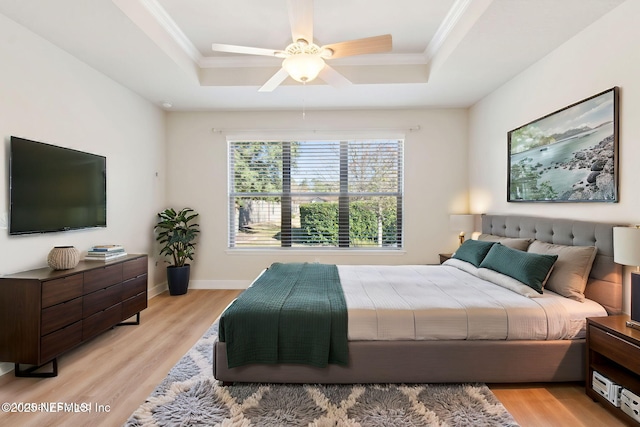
<point>483,359</point>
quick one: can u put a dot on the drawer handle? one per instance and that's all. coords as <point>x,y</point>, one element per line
<point>623,341</point>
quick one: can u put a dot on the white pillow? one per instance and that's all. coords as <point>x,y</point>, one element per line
<point>462,265</point>
<point>507,282</point>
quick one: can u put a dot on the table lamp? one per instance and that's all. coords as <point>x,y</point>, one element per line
<point>626,251</point>
<point>462,224</point>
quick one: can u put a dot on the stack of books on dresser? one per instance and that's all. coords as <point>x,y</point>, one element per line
<point>105,253</point>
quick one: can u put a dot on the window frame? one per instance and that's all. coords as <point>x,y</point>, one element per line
<point>343,195</point>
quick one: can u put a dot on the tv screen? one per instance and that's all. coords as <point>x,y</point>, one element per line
<point>54,188</point>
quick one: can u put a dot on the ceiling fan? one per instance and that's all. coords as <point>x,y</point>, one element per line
<point>303,59</point>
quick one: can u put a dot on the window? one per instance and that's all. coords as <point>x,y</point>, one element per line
<point>312,194</point>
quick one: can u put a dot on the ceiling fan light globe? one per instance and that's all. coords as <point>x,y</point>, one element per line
<point>303,67</point>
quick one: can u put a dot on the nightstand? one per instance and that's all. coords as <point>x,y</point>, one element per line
<point>613,350</point>
<point>444,257</point>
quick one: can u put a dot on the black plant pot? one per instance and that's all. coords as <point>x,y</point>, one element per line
<point>178,279</point>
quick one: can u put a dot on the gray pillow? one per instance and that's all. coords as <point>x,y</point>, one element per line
<point>528,268</point>
<point>520,244</point>
<point>571,270</point>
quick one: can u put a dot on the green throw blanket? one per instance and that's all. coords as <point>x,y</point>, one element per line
<point>293,313</point>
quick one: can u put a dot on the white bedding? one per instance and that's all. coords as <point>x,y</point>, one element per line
<point>431,302</point>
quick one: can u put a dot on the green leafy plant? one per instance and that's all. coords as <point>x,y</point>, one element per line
<point>176,233</point>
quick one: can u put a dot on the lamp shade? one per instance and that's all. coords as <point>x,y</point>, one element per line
<point>303,67</point>
<point>462,223</point>
<point>626,245</point>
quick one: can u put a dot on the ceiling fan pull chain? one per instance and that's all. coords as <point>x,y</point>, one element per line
<point>304,100</point>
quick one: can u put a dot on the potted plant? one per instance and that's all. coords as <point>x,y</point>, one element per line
<point>176,233</point>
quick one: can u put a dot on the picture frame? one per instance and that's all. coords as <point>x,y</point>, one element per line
<point>570,155</point>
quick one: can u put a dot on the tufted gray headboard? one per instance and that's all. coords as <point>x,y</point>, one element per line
<point>605,281</point>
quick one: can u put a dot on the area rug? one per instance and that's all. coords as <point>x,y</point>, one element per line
<point>190,396</point>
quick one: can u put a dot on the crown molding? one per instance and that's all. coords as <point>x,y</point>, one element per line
<point>446,27</point>
<point>170,26</point>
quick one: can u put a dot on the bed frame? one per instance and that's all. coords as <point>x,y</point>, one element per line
<point>461,360</point>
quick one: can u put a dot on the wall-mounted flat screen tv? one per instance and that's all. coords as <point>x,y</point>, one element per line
<point>53,188</point>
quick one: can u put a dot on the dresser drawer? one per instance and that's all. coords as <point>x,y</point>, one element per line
<point>623,352</point>
<point>60,341</point>
<point>60,315</point>
<point>102,277</point>
<point>134,268</point>
<point>133,287</point>
<point>101,321</point>
<point>101,300</point>
<point>61,290</point>
<point>134,305</point>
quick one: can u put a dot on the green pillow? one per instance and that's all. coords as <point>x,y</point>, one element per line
<point>529,268</point>
<point>473,251</point>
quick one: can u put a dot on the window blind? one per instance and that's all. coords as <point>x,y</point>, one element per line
<point>310,194</point>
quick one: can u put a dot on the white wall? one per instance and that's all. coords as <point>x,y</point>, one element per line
<point>48,96</point>
<point>435,183</point>
<point>604,55</point>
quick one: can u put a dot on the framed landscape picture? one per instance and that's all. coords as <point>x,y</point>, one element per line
<point>570,155</point>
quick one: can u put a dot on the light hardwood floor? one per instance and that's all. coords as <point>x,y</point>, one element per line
<point>121,367</point>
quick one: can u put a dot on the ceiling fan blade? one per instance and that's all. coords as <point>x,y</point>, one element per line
<point>274,81</point>
<point>243,49</point>
<point>377,44</point>
<point>301,19</point>
<point>334,78</point>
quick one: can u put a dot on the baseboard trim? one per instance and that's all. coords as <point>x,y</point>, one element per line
<point>219,284</point>
<point>5,368</point>
<point>202,284</point>
<point>157,289</point>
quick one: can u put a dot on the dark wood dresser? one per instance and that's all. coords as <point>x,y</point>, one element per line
<point>45,312</point>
